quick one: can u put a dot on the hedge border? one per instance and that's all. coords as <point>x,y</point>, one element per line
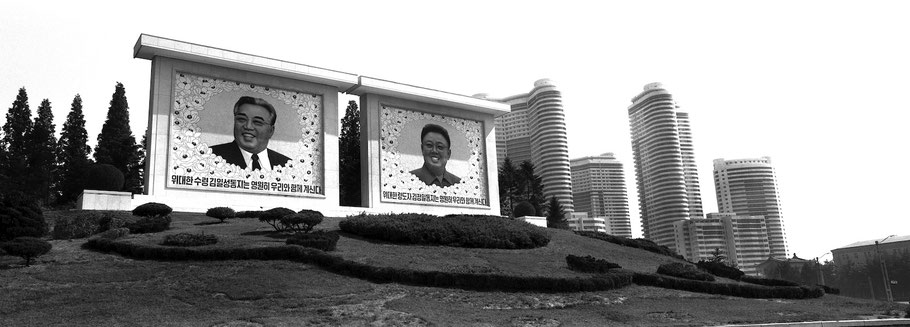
<point>467,281</point>
<point>729,289</point>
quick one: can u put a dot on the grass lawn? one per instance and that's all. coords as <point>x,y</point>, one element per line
<point>72,286</point>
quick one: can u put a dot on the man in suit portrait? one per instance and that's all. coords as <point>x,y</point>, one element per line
<point>254,124</point>
<point>435,146</point>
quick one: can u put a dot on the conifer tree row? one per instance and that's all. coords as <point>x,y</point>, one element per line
<point>74,154</point>
<point>13,163</point>
<point>116,143</point>
<point>41,149</point>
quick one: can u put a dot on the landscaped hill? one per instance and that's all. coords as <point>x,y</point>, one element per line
<point>74,286</point>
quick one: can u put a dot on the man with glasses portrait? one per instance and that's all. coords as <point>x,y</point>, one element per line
<point>254,124</point>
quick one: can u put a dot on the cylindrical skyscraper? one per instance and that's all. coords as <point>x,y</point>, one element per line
<point>535,131</point>
<point>749,187</point>
<point>666,176</point>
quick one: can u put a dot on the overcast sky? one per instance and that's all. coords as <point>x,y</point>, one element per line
<point>816,85</point>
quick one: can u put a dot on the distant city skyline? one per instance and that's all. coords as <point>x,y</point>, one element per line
<point>814,91</point>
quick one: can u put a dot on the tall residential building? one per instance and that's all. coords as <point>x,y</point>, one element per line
<point>599,189</point>
<point>742,239</point>
<point>749,187</point>
<point>665,171</point>
<point>535,131</point>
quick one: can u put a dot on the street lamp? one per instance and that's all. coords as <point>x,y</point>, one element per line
<point>884,270</point>
<point>821,275</point>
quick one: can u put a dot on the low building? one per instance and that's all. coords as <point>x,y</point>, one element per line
<point>863,252</point>
<point>774,268</point>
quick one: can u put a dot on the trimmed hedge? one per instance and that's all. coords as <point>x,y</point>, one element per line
<point>590,264</point>
<point>150,224</point>
<point>103,177</point>
<point>221,213</point>
<point>27,248</point>
<point>638,243</point>
<point>249,214</point>
<point>739,290</point>
<point>830,290</point>
<point>767,281</point>
<point>113,234</point>
<point>152,209</point>
<point>524,208</point>
<point>684,270</point>
<point>322,240</point>
<point>188,239</point>
<point>81,225</point>
<point>720,269</point>
<point>468,281</point>
<point>491,232</point>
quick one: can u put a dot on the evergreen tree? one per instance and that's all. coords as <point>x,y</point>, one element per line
<point>41,146</point>
<point>556,216</point>
<point>74,151</point>
<point>13,163</point>
<point>508,198</point>
<point>349,157</point>
<point>135,181</point>
<point>532,186</point>
<point>116,143</point>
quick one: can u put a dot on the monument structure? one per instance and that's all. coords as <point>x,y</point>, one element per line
<point>252,133</point>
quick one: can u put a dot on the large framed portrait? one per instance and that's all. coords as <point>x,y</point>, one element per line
<point>234,136</point>
<point>432,159</point>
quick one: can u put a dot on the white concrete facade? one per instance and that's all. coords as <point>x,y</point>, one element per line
<point>599,189</point>
<point>742,239</point>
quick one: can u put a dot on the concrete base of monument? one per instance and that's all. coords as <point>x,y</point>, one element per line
<point>196,202</point>
<point>105,200</point>
<point>534,220</point>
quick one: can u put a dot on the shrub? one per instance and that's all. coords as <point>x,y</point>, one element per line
<point>249,214</point>
<point>152,209</point>
<point>720,269</point>
<point>829,290</point>
<point>684,270</point>
<point>471,232</point>
<point>103,177</point>
<point>150,224</point>
<point>81,225</point>
<point>638,243</point>
<point>113,234</point>
<point>273,217</point>
<point>303,221</point>
<point>318,240</point>
<point>112,219</point>
<point>20,216</point>
<point>590,264</point>
<point>26,248</point>
<point>767,281</point>
<point>221,213</point>
<point>188,239</point>
<point>741,290</point>
<point>524,208</point>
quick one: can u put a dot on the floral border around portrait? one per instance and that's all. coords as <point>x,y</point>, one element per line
<point>398,184</point>
<point>191,163</point>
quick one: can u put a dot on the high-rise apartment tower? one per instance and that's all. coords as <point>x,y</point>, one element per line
<point>535,131</point>
<point>665,171</point>
<point>749,187</point>
<point>599,189</point>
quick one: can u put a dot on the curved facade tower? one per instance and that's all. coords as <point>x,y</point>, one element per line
<point>666,176</point>
<point>749,187</point>
<point>535,131</point>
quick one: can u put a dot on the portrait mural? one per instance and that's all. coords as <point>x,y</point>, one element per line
<point>432,159</point>
<point>239,137</point>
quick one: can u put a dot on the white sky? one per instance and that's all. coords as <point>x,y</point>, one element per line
<point>816,85</point>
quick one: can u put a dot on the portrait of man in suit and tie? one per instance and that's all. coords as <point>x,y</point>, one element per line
<point>254,124</point>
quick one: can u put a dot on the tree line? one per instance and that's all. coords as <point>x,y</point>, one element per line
<point>38,165</point>
<point>861,280</point>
